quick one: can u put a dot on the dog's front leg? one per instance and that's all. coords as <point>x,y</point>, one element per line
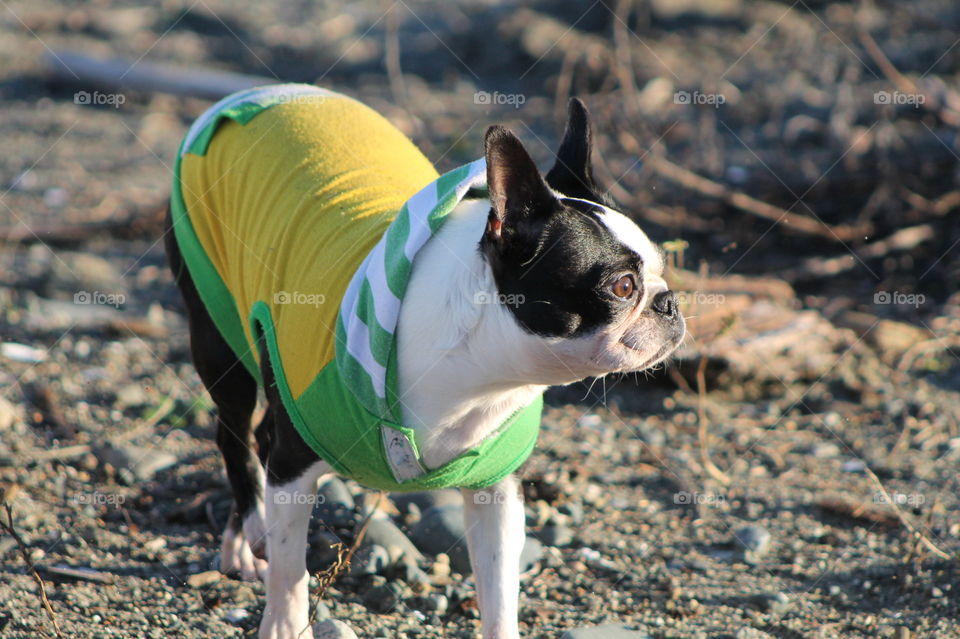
<point>495,536</point>
<point>289,506</point>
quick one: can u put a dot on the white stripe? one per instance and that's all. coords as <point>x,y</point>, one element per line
<point>257,94</point>
<point>386,305</point>
<point>418,208</point>
<point>348,305</point>
<point>358,345</point>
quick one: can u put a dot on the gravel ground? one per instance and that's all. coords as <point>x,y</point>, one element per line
<point>106,436</point>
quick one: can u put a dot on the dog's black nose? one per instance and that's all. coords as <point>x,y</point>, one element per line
<point>665,304</point>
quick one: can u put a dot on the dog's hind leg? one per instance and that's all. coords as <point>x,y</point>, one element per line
<point>234,391</point>
<point>293,471</point>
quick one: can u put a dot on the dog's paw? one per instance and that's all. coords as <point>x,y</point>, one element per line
<point>237,557</point>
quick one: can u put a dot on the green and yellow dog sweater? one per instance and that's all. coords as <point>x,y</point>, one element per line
<point>299,213</point>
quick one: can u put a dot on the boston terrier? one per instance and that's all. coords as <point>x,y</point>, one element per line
<point>499,282</point>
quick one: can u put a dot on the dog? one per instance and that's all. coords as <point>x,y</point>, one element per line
<point>509,282</point>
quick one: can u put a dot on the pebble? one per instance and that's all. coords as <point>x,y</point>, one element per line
<point>204,579</point>
<point>236,615</point>
<point>753,542</point>
<point>320,611</point>
<point>531,554</point>
<point>853,466</point>
<point>775,603</point>
<point>383,598</point>
<point>370,560</point>
<point>134,463</point>
<point>333,629</point>
<point>335,505</point>
<point>556,535</point>
<point>427,499</point>
<point>608,631</point>
<point>16,352</point>
<point>384,532</point>
<point>441,530</point>
<point>8,414</point>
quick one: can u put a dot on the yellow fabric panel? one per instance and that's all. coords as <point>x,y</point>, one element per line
<point>291,203</point>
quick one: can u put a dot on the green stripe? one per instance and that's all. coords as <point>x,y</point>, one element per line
<point>354,374</point>
<point>396,264</point>
<point>381,340</point>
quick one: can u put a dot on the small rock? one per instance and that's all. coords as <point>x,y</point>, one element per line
<point>441,530</point>
<point>436,604</point>
<point>531,554</point>
<point>204,579</point>
<point>131,395</point>
<point>608,631</point>
<point>384,532</point>
<point>335,505</point>
<point>134,463</point>
<point>853,466</point>
<point>22,353</point>
<point>824,450</point>
<point>371,560</point>
<point>556,535</point>
<point>333,629</point>
<point>427,499</point>
<point>572,509</point>
<point>321,611</point>
<point>751,633</point>
<point>8,414</point>
<point>754,542</point>
<point>236,615</point>
<point>383,598</point>
<point>775,603</point>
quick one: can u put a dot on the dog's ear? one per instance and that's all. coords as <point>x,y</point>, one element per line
<point>572,174</point>
<point>520,199</point>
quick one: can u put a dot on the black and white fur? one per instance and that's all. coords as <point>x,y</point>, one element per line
<point>553,248</point>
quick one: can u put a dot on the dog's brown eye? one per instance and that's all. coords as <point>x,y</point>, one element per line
<point>624,286</point>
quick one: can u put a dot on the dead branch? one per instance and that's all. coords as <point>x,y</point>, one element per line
<point>121,74</point>
<point>800,223</point>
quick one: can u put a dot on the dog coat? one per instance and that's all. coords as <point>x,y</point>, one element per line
<point>299,213</point>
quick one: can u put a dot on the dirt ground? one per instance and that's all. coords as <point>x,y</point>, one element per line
<point>107,456</point>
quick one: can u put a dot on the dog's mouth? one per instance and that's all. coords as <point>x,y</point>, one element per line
<point>667,347</point>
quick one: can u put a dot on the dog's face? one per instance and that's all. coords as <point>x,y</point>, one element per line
<point>580,279</point>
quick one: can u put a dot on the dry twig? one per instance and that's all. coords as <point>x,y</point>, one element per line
<point>902,516</point>
<point>330,574</point>
<point>9,529</point>
<point>708,464</point>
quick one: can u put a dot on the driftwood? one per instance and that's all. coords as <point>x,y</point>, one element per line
<point>121,74</point>
<point>751,328</point>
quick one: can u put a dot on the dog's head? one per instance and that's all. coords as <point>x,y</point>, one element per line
<point>582,282</point>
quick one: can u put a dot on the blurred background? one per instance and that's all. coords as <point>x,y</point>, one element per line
<point>792,472</point>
